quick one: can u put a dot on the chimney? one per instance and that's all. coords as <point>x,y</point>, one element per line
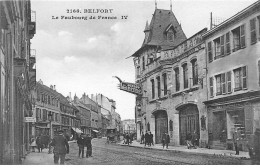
<point>51,87</point>
<point>54,87</point>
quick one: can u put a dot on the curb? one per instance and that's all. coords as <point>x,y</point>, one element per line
<point>197,153</point>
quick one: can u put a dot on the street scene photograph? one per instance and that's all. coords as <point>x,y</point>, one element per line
<point>130,82</point>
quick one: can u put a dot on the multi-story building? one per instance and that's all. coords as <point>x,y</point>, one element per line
<point>85,115</point>
<point>154,111</point>
<point>129,126</point>
<point>105,124</point>
<point>46,111</point>
<point>183,85</point>
<point>17,79</point>
<point>233,78</point>
<point>95,109</point>
<point>68,115</point>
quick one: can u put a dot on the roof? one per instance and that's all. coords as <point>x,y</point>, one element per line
<point>255,7</point>
<point>162,19</point>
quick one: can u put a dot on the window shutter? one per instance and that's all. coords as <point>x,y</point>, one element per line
<point>253,30</point>
<point>228,43</point>
<point>242,37</point>
<point>210,51</point>
<point>211,86</point>
<point>259,73</point>
<point>223,81</point>
<point>229,82</point>
<point>244,77</point>
<point>222,45</point>
<point>248,111</point>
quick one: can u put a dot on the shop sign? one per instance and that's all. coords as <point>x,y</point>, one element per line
<point>131,88</point>
<point>29,119</point>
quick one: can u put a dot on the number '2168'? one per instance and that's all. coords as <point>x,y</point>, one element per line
<point>73,11</point>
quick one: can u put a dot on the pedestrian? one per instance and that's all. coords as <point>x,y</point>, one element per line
<point>188,141</point>
<point>167,140</point>
<point>131,138</point>
<point>89,146</point>
<point>39,143</point>
<point>127,138</point>
<point>151,138</point>
<point>33,144</point>
<point>81,143</point>
<point>142,138</point>
<point>146,137</point>
<point>235,141</point>
<point>163,140</point>
<point>61,147</point>
<point>124,136</point>
<point>194,139</point>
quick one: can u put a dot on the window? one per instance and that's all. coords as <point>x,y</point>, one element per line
<point>185,75</point>
<point>143,63</point>
<point>229,82</point>
<point>240,77</point>
<point>165,84</point>
<point>218,85</point>
<point>159,86</point>
<point>170,35</point>
<point>194,71</point>
<point>177,81</point>
<point>153,93</point>
<point>228,43</point>
<point>210,52</point>
<point>253,30</point>
<point>211,87</point>
<point>217,47</point>
<point>239,38</point>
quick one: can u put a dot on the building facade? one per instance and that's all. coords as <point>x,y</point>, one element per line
<point>129,126</point>
<point>154,109</point>
<point>233,79</point>
<point>17,79</point>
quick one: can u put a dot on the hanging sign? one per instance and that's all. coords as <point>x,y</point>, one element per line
<point>130,87</point>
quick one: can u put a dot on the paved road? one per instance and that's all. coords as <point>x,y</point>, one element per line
<point>112,154</point>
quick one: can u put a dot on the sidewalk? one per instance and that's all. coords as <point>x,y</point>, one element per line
<point>217,153</point>
<point>42,158</point>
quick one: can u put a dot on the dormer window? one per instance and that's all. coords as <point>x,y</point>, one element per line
<point>170,33</point>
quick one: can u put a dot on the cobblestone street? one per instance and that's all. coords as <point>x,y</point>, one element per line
<point>112,154</point>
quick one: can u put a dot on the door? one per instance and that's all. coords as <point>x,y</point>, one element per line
<point>189,122</point>
<point>219,125</point>
<point>161,125</point>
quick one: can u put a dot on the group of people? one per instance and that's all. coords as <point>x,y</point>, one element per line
<point>192,140</point>
<point>128,138</point>
<point>147,138</point>
<point>84,141</point>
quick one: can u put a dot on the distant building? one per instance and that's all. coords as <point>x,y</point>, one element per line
<point>129,126</point>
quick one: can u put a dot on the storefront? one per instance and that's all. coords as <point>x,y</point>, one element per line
<point>161,124</point>
<point>230,117</point>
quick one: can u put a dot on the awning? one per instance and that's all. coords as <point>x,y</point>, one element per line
<point>77,130</point>
<point>95,130</point>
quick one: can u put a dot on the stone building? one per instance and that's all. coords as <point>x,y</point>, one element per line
<point>233,79</point>
<point>153,110</point>
<point>95,109</point>
<point>129,126</point>
<point>46,111</point>
<point>17,79</point>
<point>183,85</point>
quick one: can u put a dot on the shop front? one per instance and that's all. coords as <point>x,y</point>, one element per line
<point>232,119</point>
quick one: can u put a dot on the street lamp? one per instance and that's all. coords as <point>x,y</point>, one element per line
<point>50,118</point>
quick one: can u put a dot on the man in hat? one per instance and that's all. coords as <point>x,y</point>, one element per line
<point>80,142</point>
<point>61,147</point>
<point>89,146</point>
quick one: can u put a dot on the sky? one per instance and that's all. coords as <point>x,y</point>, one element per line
<point>82,56</point>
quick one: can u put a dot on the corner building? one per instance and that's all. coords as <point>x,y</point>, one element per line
<point>233,64</point>
<point>153,109</point>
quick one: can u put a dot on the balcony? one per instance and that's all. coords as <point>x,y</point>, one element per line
<point>32,24</point>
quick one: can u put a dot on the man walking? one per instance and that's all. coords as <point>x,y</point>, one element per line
<point>142,138</point>
<point>80,142</point>
<point>61,147</point>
